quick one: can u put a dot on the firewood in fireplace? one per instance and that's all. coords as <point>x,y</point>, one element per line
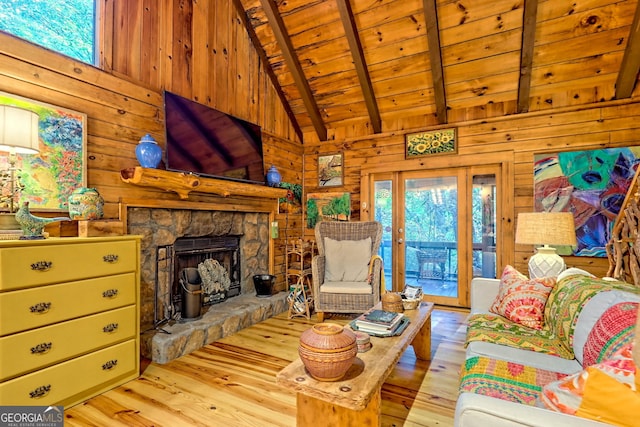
<point>215,278</point>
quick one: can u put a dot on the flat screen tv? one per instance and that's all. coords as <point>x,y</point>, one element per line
<point>208,142</point>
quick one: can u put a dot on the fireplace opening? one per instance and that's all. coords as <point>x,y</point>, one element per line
<point>217,262</point>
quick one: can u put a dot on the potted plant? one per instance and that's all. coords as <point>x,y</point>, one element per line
<point>292,203</point>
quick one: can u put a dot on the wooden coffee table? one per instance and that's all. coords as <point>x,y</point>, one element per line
<point>355,399</point>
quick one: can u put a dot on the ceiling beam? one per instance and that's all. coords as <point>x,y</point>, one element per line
<point>351,31</point>
<point>435,57</point>
<point>284,41</point>
<point>529,20</point>
<point>267,67</point>
<point>628,74</point>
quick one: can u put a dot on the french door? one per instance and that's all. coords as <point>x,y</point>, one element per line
<point>439,228</point>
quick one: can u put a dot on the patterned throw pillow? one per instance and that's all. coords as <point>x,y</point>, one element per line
<point>521,299</point>
<point>605,392</point>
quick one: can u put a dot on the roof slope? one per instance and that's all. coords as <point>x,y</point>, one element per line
<point>372,63</point>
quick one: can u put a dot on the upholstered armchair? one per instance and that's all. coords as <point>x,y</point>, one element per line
<point>347,273</point>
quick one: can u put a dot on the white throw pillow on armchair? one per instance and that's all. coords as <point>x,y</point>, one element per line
<point>347,260</point>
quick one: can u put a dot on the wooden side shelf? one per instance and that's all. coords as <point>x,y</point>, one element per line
<point>183,183</point>
<point>298,265</point>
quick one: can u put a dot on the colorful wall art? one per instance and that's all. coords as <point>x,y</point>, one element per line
<point>328,207</point>
<point>592,185</point>
<point>50,176</point>
<point>442,141</point>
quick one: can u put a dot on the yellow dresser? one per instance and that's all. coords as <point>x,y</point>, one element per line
<point>69,318</point>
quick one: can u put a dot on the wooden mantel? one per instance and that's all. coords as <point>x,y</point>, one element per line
<point>182,184</point>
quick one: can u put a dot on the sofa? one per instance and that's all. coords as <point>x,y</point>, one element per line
<point>583,322</point>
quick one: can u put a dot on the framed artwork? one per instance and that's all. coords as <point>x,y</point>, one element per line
<point>442,141</point>
<point>330,170</point>
<point>591,184</point>
<point>328,207</point>
<point>50,176</point>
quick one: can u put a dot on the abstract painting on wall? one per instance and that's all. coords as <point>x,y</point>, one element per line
<point>592,185</point>
<point>50,176</point>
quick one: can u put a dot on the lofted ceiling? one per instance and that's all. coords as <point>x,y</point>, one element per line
<point>373,63</point>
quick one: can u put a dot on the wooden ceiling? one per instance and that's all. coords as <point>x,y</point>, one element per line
<point>373,63</point>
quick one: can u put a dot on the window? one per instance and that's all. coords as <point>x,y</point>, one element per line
<point>66,26</point>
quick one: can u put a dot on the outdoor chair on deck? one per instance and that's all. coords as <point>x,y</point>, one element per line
<point>428,261</point>
<point>347,272</point>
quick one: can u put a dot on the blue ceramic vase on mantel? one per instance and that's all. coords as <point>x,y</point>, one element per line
<point>148,152</point>
<point>273,177</point>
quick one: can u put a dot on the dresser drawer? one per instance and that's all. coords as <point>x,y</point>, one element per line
<point>35,307</point>
<point>23,267</point>
<point>35,349</point>
<point>66,382</point>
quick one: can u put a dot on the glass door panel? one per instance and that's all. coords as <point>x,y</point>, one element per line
<point>484,225</point>
<point>383,202</point>
<point>431,224</point>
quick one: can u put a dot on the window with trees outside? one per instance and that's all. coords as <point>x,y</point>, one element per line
<point>66,26</point>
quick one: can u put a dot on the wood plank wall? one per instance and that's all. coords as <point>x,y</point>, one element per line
<point>199,50</point>
<point>516,139</point>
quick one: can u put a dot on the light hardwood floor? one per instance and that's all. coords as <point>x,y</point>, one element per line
<point>231,382</point>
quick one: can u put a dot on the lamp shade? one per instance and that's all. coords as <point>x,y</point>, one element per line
<point>546,228</point>
<point>18,130</point>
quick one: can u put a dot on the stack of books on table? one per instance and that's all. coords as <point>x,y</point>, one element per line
<point>380,323</point>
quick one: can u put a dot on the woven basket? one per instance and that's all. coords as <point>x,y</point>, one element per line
<point>392,301</point>
<point>410,304</point>
<point>327,350</point>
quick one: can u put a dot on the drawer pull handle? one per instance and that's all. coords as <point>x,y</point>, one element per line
<point>110,327</point>
<point>110,293</point>
<point>111,258</point>
<point>41,348</point>
<point>41,391</point>
<point>41,307</point>
<point>41,265</point>
<point>110,364</point>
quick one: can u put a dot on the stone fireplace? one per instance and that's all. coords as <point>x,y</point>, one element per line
<point>173,239</point>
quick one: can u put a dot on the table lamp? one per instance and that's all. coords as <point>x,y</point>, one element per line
<point>546,228</point>
<point>18,134</point>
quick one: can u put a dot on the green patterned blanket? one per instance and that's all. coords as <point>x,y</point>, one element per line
<point>499,330</point>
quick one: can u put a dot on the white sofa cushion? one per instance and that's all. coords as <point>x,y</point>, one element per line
<point>347,260</point>
<point>477,410</point>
